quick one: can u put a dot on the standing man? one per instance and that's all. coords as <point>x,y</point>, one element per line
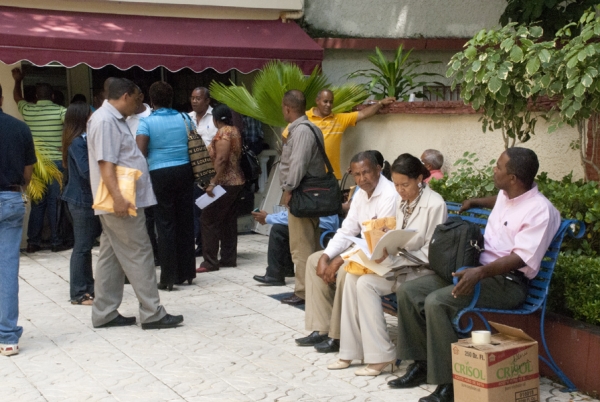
<point>518,232</point>
<point>333,125</point>
<point>202,116</point>
<point>45,119</point>
<point>124,245</point>
<point>300,157</point>
<point>17,156</point>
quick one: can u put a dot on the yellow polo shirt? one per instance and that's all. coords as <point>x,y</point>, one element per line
<point>333,127</point>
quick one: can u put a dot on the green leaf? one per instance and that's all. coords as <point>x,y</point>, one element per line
<point>586,81</point>
<point>507,44</point>
<point>471,52</point>
<point>545,56</point>
<point>572,62</point>
<point>545,81</point>
<point>533,65</point>
<point>476,65</point>
<point>579,90</point>
<point>536,32</point>
<point>456,65</point>
<point>495,84</point>
<point>582,55</point>
<point>591,71</point>
<point>516,54</point>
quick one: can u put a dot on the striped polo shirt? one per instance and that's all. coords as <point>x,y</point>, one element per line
<point>45,119</point>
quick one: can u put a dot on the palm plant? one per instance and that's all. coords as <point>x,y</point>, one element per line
<point>44,173</point>
<point>272,82</point>
<point>396,78</point>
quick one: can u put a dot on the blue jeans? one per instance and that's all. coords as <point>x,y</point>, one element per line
<point>12,211</point>
<point>86,227</point>
<point>48,203</point>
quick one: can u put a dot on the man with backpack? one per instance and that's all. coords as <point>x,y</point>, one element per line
<point>518,232</point>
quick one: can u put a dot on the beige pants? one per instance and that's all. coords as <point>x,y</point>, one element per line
<point>323,301</point>
<point>364,329</point>
<point>304,240</point>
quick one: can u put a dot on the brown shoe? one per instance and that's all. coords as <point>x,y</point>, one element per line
<point>293,300</point>
<point>204,268</point>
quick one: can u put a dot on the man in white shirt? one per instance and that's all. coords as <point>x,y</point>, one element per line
<point>376,198</point>
<point>133,121</point>
<point>201,115</point>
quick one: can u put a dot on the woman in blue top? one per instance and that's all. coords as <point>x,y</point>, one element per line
<point>78,195</point>
<point>162,138</point>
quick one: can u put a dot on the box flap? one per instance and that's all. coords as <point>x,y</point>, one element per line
<point>510,331</point>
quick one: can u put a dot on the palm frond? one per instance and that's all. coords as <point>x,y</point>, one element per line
<point>347,96</point>
<point>44,173</point>
<point>238,96</point>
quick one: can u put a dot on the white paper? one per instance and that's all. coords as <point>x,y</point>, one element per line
<point>205,200</point>
<point>393,241</point>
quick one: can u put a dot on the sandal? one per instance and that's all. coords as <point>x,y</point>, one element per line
<point>85,300</point>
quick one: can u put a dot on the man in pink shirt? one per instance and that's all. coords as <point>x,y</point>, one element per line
<point>519,230</point>
<point>433,160</point>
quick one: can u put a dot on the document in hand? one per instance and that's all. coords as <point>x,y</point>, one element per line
<point>205,200</point>
<point>126,178</point>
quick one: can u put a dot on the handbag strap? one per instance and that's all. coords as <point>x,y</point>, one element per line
<point>321,148</point>
<point>188,128</point>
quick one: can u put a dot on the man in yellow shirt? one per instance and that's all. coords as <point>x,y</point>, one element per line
<point>333,125</point>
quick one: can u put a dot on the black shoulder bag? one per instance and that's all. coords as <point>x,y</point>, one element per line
<point>316,197</point>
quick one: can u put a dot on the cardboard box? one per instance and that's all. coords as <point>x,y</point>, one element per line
<point>506,370</point>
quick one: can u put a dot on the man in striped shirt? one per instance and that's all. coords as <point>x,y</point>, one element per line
<point>45,119</point>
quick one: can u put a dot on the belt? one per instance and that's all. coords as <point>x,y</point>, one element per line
<point>13,187</point>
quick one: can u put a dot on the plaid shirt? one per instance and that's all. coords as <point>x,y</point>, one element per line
<point>252,130</point>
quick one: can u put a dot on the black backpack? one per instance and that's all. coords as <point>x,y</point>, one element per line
<point>456,243</point>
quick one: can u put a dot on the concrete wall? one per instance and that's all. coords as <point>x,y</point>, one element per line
<point>403,18</point>
<point>394,134</point>
<point>8,106</point>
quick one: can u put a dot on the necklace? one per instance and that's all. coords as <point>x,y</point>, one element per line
<point>407,209</point>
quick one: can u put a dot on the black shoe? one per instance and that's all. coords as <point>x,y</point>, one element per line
<point>416,374</point>
<point>267,280</point>
<point>164,286</point>
<point>198,251</point>
<point>293,300</point>
<point>62,247</point>
<point>168,321</point>
<point>32,248</point>
<point>312,339</point>
<point>118,321</point>
<point>443,393</point>
<point>328,346</point>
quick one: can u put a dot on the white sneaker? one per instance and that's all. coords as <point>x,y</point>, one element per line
<point>8,350</point>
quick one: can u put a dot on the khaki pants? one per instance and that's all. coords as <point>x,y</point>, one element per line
<point>323,302</point>
<point>304,240</point>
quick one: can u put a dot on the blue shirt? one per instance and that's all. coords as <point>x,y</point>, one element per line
<point>78,190</point>
<point>168,145</point>
<point>331,223</point>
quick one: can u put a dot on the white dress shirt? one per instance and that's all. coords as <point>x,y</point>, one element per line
<point>133,121</point>
<point>205,126</point>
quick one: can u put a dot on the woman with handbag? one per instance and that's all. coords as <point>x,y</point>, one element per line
<point>77,193</point>
<point>219,219</point>
<point>364,334</point>
<point>162,138</point>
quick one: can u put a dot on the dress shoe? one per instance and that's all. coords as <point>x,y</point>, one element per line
<point>370,371</point>
<point>267,280</point>
<point>416,374</point>
<point>293,300</point>
<point>32,248</point>
<point>62,247</point>
<point>198,251</point>
<point>329,345</point>
<point>312,339</point>
<point>168,321</point>
<point>164,286</point>
<point>118,321</point>
<point>224,264</point>
<point>339,365</point>
<point>203,268</point>
<point>443,393</point>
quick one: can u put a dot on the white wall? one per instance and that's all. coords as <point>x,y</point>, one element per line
<point>8,106</point>
<point>403,18</point>
<point>394,134</point>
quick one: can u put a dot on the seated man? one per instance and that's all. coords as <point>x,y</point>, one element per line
<point>376,198</point>
<point>279,255</point>
<point>518,232</point>
<point>433,161</point>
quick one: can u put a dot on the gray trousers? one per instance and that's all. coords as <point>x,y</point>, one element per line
<point>425,311</point>
<point>125,249</point>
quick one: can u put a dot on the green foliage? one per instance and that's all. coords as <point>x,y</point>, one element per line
<point>499,71</point>
<point>575,287</point>
<point>272,82</point>
<point>468,181</point>
<point>551,15</point>
<point>396,78</point>
<point>44,173</point>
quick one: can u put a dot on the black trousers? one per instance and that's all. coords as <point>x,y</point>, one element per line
<point>279,256</point>
<point>219,228</point>
<point>173,215</point>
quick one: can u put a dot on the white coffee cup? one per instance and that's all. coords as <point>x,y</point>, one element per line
<point>481,337</point>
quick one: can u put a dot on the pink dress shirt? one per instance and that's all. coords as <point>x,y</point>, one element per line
<point>524,225</point>
<point>437,174</point>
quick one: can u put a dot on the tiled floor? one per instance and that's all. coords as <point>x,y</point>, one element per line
<point>237,344</point>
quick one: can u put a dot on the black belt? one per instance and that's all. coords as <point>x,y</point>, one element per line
<point>13,187</point>
<point>517,276</point>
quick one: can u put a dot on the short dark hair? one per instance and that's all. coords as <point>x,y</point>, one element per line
<point>161,94</point>
<point>385,165</point>
<point>323,91</point>
<point>365,156</point>
<point>434,158</point>
<point>119,87</point>
<point>523,163</point>
<point>43,91</point>
<point>295,100</point>
<point>410,166</point>
<point>204,91</point>
<point>223,114</point>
